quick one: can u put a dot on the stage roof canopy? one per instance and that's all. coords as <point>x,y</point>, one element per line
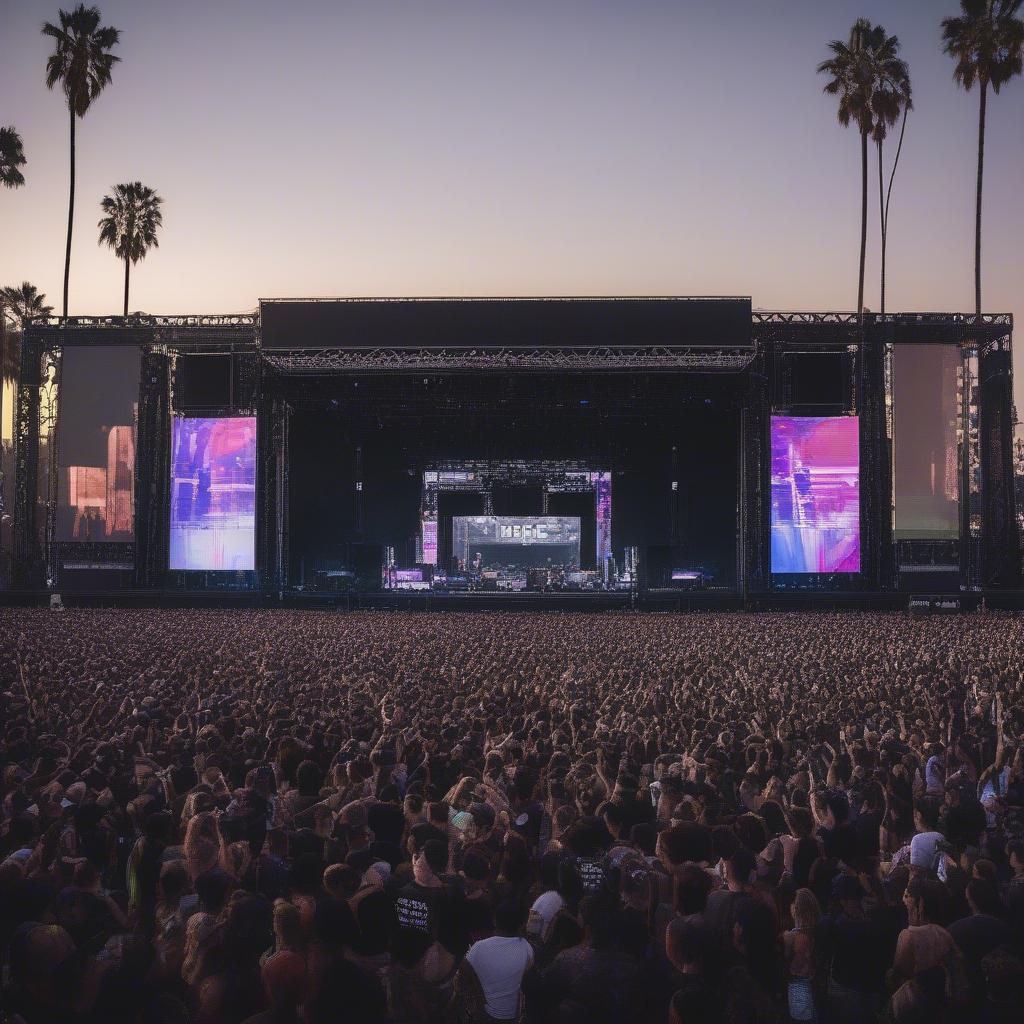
<point>504,322</point>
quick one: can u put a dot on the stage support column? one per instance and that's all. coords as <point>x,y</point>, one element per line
<point>273,419</point>
<point>153,476</point>
<point>29,569</point>
<point>1000,538</point>
<point>754,563</point>
<point>877,566</point>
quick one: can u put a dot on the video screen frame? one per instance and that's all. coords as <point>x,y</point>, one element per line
<point>478,540</point>
<point>815,495</point>
<point>926,455</point>
<point>212,521</point>
<point>97,431</point>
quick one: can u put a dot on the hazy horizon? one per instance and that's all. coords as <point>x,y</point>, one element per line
<point>462,148</point>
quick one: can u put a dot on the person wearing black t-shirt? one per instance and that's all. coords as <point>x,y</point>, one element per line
<point>838,836</point>
<point>422,905</point>
<point>385,818</point>
<point>723,904</point>
<point>851,945</point>
<point>981,932</point>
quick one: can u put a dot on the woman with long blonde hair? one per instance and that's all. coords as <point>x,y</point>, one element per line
<point>202,843</point>
<point>798,948</point>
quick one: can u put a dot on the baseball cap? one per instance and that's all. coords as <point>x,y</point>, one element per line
<point>461,820</point>
<point>527,822</point>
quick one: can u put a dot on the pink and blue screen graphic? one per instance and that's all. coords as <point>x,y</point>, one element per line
<point>815,472</point>
<point>213,494</point>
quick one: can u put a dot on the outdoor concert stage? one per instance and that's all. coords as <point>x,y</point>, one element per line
<point>662,453</point>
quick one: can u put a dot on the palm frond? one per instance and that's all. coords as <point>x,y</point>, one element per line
<point>132,215</point>
<point>12,157</point>
<point>25,301</point>
<point>855,68</point>
<point>81,62</point>
<point>986,42</point>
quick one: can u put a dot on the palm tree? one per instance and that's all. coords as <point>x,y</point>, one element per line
<point>986,42</point>
<point>23,302</point>
<point>12,156</point>
<point>9,361</point>
<point>81,62</point>
<point>852,72</point>
<point>20,304</point>
<point>890,102</point>
<point>130,225</point>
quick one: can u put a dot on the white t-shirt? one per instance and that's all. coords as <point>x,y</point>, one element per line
<point>924,850</point>
<point>995,786</point>
<point>500,963</point>
<point>546,907</point>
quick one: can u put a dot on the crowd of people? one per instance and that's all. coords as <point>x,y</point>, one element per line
<point>277,817</point>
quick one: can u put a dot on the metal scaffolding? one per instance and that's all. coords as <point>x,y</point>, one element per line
<point>697,358</point>
<point>260,384</point>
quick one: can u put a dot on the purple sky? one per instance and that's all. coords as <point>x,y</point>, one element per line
<point>478,148</point>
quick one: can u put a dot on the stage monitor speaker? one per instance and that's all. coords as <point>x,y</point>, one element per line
<point>334,581</point>
<point>85,578</point>
<point>929,579</point>
<point>934,604</point>
<point>661,561</point>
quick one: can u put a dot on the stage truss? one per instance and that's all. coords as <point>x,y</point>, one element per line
<point>990,545</point>
<point>480,477</point>
<point>332,361</point>
<point>990,542</point>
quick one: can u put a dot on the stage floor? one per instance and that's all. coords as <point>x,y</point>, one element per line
<point>649,601</point>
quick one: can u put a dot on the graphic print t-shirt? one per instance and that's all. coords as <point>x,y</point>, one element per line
<point>420,912</point>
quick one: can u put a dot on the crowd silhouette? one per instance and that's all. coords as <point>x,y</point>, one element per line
<point>299,816</point>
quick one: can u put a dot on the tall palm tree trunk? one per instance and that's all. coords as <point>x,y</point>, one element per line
<point>863,220</point>
<point>71,213</point>
<point>127,265</point>
<point>977,215</point>
<point>888,196</point>
<point>881,218</point>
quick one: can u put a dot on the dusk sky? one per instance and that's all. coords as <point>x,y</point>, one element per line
<point>477,148</point>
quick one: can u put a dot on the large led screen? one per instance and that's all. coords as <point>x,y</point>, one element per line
<point>213,493</point>
<point>504,542</point>
<point>926,487</point>
<point>815,519</point>
<point>99,394</point>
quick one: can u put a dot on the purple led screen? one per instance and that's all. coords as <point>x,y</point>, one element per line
<point>408,575</point>
<point>603,511</point>
<point>430,541</point>
<point>213,493</point>
<point>815,519</point>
